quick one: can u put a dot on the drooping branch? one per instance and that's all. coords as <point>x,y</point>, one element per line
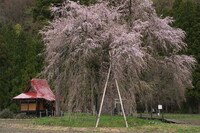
<point>79,39</point>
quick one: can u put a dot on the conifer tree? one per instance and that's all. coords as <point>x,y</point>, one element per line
<point>19,62</point>
<point>188,18</point>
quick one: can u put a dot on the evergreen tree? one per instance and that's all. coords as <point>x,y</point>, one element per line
<point>187,17</point>
<point>19,62</point>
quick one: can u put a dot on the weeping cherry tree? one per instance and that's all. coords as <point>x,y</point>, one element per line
<point>82,42</point>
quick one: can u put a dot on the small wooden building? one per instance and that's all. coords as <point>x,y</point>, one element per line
<point>37,98</point>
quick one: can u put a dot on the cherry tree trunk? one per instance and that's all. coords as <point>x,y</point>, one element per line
<point>58,106</point>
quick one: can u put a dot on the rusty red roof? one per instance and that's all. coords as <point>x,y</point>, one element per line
<point>37,88</point>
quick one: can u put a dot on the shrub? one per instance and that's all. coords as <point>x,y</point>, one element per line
<point>6,113</point>
<point>14,107</point>
<point>21,116</point>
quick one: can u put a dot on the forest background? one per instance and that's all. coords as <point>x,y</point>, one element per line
<point>21,48</point>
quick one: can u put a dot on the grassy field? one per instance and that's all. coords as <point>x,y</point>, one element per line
<point>135,124</point>
<point>181,117</point>
<point>90,121</point>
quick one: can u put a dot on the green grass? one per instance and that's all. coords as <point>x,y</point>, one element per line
<point>183,116</point>
<point>177,116</point>
<point>90,121</point>
<point>135,124</point>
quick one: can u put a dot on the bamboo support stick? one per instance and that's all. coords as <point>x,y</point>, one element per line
<point>121,103</point>
<point>102,100</point>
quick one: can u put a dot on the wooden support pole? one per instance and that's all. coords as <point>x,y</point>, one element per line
<point>28,105</point>
<point>102,100</point>
<point>46,112</point>
<point>20,105</point>
<point>121,102</point>
<point>28,108</point>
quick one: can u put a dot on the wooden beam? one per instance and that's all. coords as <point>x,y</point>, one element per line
<point>28,105</point>
<point>20,105</point>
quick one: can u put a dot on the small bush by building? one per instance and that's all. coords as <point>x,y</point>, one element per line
<point>6,113</point>
<point>21,116</point>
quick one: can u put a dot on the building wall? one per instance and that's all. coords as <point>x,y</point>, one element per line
<point>28,107</point>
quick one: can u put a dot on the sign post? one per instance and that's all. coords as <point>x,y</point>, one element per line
<point>160,107</point>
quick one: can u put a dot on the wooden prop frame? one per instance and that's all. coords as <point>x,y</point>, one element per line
<point>103,97</point>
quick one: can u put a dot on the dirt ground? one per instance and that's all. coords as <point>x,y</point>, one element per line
<point>192,122</point>
<point>23,126</point>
